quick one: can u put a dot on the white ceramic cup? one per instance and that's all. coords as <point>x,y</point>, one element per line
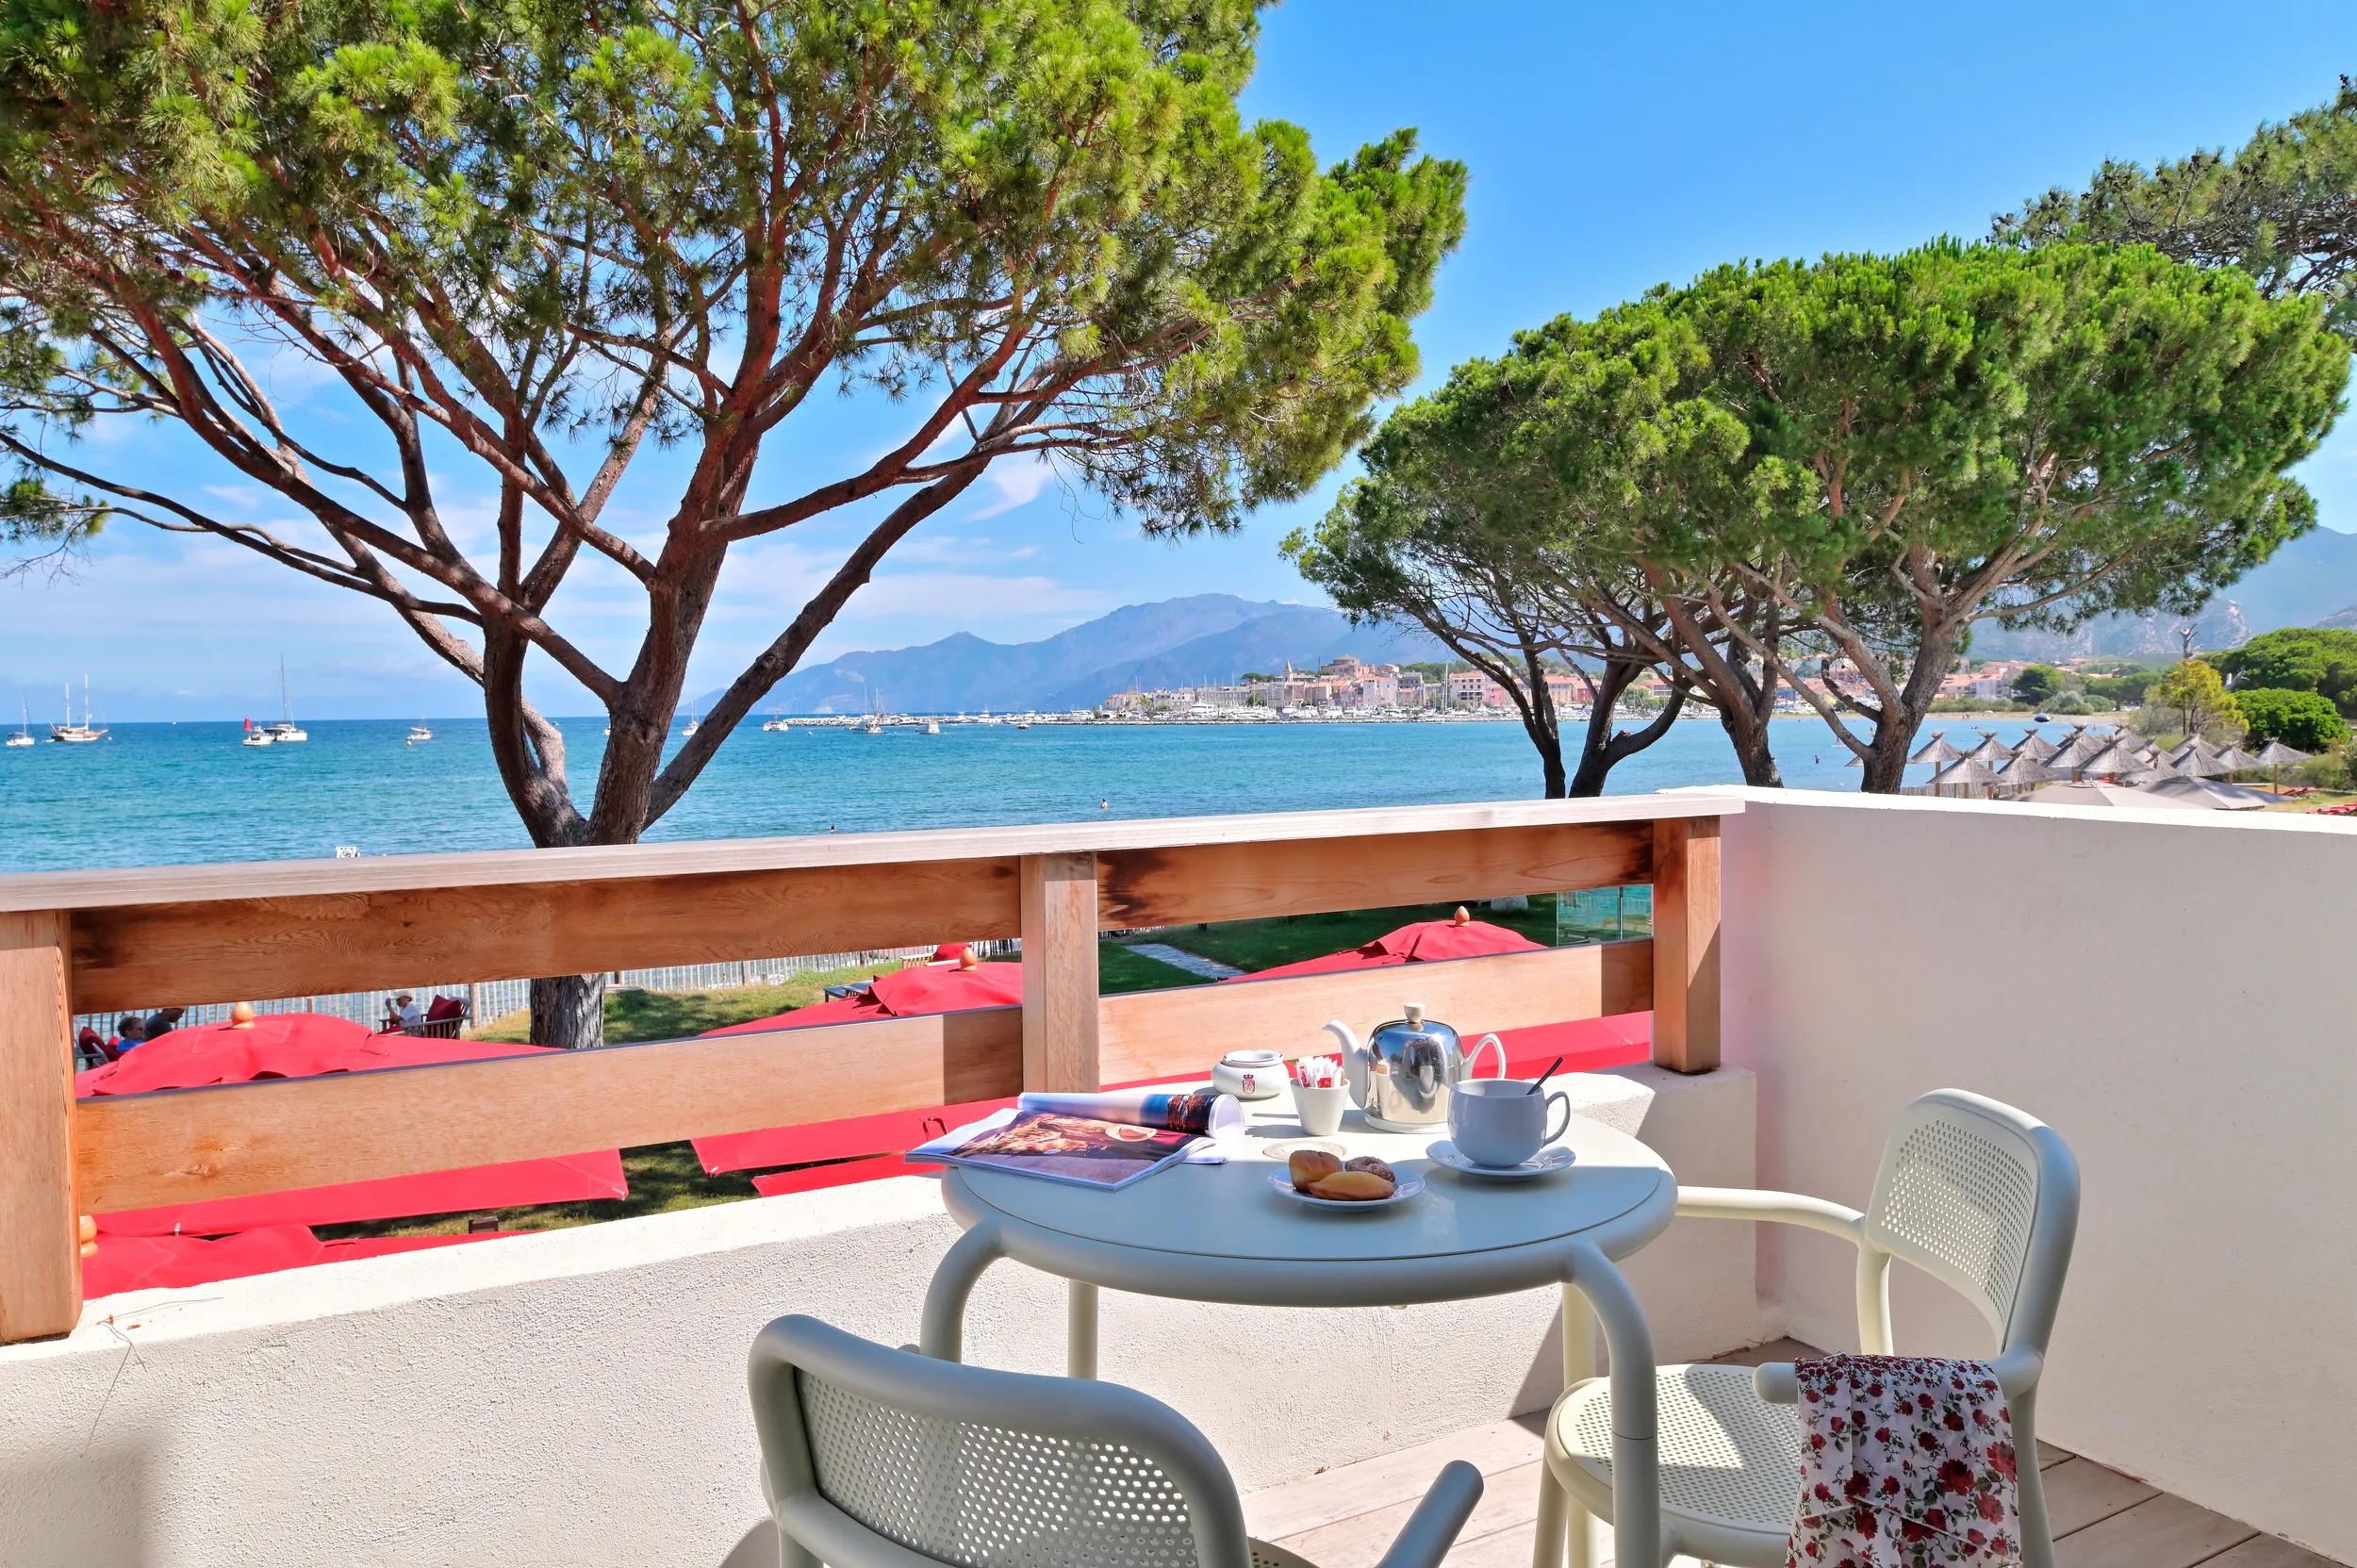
<point>1498,1122</point>
<point>1320,1110</point>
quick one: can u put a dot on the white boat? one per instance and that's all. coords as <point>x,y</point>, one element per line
<point>776,725</point>
<point>691,727</point>
<point>257,740</point>
<point>418,734</point>
<point>286,730</point>
<point>70,734</point>
<point>932,727</point>
<point>23,735</point>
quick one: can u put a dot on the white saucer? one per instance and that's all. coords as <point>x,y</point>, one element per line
<point>1284,1149</point>
<point>1408,1188</point>
<point>1545,1162</point>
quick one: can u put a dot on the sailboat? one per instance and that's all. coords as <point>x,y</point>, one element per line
<point>692,726</point>
<point>286,729</point>
<point>775,725</point>
<point>70,734</point>
<point>23,735</point>
<point>257,740</point>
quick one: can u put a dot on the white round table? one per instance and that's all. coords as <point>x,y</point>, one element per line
<point>1221,1233</point>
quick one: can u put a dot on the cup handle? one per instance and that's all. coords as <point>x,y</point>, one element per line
<point>1558,1097</point>
<point>1487,1041</point>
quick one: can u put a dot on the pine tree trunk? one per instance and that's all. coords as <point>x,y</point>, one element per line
<point>569,1012</point>
<point>1749,736</point>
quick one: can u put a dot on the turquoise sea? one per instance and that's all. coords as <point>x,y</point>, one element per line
<point>154,794</point>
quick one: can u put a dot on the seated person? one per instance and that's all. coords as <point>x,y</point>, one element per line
<point>405,1012</point>
<point>162,1021</point>
<point>132,1032</point>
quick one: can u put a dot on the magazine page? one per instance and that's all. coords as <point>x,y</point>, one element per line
<point>1080,1149</point>
<point>1200,1111</point>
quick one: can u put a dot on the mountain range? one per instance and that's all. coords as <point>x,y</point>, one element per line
<point>1218,636</point>
<point>2309,582</point>
<point>1203,637</point>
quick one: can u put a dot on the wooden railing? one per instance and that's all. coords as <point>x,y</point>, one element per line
<point>105,940</point>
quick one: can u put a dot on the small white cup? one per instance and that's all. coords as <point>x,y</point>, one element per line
<point>1499,1123</point>
<point>1320,1110</point>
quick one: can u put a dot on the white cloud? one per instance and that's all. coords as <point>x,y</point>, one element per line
<point>1014,482</point>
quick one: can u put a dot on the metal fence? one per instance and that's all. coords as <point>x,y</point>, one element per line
<point>490,999</point>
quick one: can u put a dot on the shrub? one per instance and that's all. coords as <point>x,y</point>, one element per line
<point>2302,720</point>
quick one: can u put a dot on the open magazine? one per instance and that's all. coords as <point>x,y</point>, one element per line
<point>1104,1141</point>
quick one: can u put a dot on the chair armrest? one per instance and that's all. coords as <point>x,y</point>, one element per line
<point>1432,1530</point>
<point>2016,1374</point>
<point>1815,1214</point>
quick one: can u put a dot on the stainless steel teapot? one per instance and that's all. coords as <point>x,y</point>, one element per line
<point>1403,1076</point>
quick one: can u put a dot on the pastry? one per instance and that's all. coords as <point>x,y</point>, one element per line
<point>1373,1166</point>
<point>1308,1165</point>
<point>1354,1186</point>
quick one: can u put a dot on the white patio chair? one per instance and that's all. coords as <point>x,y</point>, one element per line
<point>1971,1191</point>
<point>874,1458</point>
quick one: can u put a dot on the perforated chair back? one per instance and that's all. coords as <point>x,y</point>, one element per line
<point>1986,1198</point>
<point>874,1458</point>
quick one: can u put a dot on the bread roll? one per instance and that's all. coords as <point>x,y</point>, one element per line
<point>1354,1186</point>
<point>1306,1166</point>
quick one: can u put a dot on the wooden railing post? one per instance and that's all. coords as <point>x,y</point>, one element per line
<point>1060,970</point>
<point>1686,943</point>
<point>40,1265</point>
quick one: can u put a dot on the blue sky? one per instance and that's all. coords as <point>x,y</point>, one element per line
<point>1611,148</point>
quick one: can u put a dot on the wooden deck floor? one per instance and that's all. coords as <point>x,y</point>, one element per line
<point>1345,1517</point>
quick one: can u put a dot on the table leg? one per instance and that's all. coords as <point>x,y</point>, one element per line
<point>1636,1434</point>
<point>942,1334</point>
<point>1080,1357</point>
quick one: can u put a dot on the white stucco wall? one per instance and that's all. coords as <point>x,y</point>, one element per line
<point>577,1397</point>
<point>2169,991</point>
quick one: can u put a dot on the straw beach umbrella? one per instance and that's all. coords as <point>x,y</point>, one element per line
<point>2210,792</point>
<point>2026,770</point>
<point>2275,756</point>
<point>2090,793</point>
<point>2035,748</point>
<point>2111,759</point>
<point>1936,751</point>
<point>1964,774</point>
<point>2073,753</point>
<point>1990,753</point>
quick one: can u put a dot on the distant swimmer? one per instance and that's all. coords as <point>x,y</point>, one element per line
<point>1105,804</point>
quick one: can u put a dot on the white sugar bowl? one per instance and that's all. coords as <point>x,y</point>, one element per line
<point>1250,1075</point>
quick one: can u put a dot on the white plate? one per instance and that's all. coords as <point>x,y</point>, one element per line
<point>1408,1188</point>
<point>1545,1162</point>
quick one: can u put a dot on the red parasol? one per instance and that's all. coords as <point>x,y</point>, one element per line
<point>307,1044</point>
<point>1422,942</point>
<point>145,1263</point>
<point>1584,1044</point>
<point>274,1045</point>
<point>908,993</point>
<point>912,992</point>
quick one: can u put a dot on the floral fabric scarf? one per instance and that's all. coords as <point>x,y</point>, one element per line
<point>1905,1462</point>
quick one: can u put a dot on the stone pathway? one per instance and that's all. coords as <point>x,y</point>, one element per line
<point>1179,958</point>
